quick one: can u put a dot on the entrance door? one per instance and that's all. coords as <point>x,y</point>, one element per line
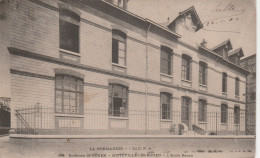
<point>185,111</point>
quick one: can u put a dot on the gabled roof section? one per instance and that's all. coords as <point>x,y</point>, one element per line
<point>238,51</point>
<point>224,43</point>
<point>194,16</point>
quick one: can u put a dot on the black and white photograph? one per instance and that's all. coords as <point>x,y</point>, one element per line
<point>128,78</point>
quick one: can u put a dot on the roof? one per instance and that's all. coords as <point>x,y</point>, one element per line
<point>226,42</point>
<point>243,70</point>
<point>144,20</point>
<point>247,58</point>
<point>194,15</point>
<point>238,51</point>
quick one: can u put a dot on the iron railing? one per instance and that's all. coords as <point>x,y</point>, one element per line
<point>41,120</point>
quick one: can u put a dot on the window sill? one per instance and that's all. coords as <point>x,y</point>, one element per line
<point>69,115</point>
<point>237,96</point>
<point>118,118</point>
<point>202,122</point>
<point>70,52</point>
<point>166,75</point>
<point>224,124</point>
<point>236,124</point>
<point>165,120</point>
<point>186,80</point>
<point>203,85</point>
<point>224,94</point>
<point>186,83</point>
<point>122,66</point>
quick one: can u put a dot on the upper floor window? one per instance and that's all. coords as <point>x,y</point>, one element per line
<point>186,67</point>
<point>202,110</point>
<point>69,30</point>
<point>224,113</point>
<point>69,94</point>
<point>119,47</point>
<point>166,60</point>
<point>118,100</point>
<point>224,82</point>
<point>236,115</point>
<point>165,106</point>
<point>202,73</point>
<point>237,87</point>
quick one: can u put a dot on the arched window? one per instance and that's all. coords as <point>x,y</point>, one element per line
<point>237,86</point>
<point>186,67</point>
<point>118,100</point>
<point>69,30</point>
<point>202,111</point>
<point>202,73</point>
<point>119,47</point>
<point>166,60</point>
<point>165,105</point>
<point>68,94</point>
<point>224,113</point>
<point>224,82</point>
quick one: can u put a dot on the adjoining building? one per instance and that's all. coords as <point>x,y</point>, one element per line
<point>92,67</point>
<point>249,63</point>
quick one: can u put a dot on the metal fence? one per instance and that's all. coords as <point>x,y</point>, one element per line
<point>45,121</point>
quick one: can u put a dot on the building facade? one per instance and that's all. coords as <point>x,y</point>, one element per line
<point>249,63</point>
<point>93,67</point>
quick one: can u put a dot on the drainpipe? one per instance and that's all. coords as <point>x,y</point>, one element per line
<point>146,78</point>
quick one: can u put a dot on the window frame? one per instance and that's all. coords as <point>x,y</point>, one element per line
<point>79,94</point>
<point>186,67</point>
<point>166,51</point>
<point>185,107</point>
<point>165,115</point>
<point>72,20</point>
<point>224,82</point>
<point>111,97</point>
<point>224,113</point>
<point>202,110</point>
<point>237,86</point>
<point>118,37</point>
<point>203,67</point>
<point>236,115</point>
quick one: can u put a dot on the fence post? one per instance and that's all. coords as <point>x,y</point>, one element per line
<point>216,123</point>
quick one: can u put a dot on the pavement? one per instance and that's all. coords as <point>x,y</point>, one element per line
<point>130,147</point>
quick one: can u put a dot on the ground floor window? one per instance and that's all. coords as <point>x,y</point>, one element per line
<point>202,110</point>
<point>118,100</point>
<point>236,115</point>
<point>224,113</point>
<point>68,94</point>
<point>165,106</point>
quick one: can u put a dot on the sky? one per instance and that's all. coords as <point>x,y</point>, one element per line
<point>222,19</point>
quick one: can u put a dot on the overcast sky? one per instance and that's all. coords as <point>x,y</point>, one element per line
<point>222,19</point>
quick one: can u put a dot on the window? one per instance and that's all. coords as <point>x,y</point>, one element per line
<point>202,110</point>
<point>119,48</point>
<point>165,106</point>
<point>237,87</point>
<point>185,109</point>
<point>186,67</point>
<point>69,94</point>
<point>236,115</point>
<point>69,30</point>
<point>118,100</point>
<point>224,113</point>
<point>202,73</point>
<point>224,82</point>
<point>166,60</point>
